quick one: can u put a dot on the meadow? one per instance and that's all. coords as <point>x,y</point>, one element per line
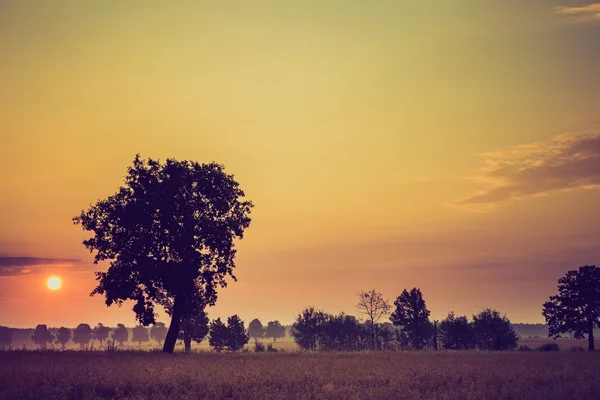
<point>294,375</point>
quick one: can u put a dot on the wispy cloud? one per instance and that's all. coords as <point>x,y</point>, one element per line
<point>585,13</point>
<point>17,266</point>
<point>564,162</point>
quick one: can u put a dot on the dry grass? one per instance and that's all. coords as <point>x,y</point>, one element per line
<point>399,375</point>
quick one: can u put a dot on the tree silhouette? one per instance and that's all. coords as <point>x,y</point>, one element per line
<point>274,331</point>
<point>493,331</point>
<point>101,333</point>
<point>120,335</point>
<point>158,332</point>
<point>456,333</point>
<point>63,336</point>
<point>412,316</point>
<point>218,335</point>
<point>5,337</point>
<point>308,328</point>
<point>237,337</point>
<point>169,236</point>
<point>193,328</point>
<point>82,335</point>
<point>256,329</point>
<point>140,335</point>
<point>576,307</point>
<point>42,336</point>
<point>373,306</point>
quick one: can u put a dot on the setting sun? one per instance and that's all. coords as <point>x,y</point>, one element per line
<point>54,283</point>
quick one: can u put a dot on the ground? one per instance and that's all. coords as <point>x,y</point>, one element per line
<point>393,375</point>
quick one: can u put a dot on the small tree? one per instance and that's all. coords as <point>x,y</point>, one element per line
<point>493,331</point>
<point>373,306</point>
<point>576,308</point>
<point>158,332</point>
<point>101,333</point>
<point>256,329</point>
<point>412,316</point>
<point>63,336</point>
<point>120,335</point>
<point>308,327</point>
<point>194,328</point>
<point>218,335</point>
<point>42,336</point>
<point>82,335</point>
<point>275,331</point>
<point>237,337</point>
<point>5,337</point>
<point>456,333</point>
<point>140,335</point>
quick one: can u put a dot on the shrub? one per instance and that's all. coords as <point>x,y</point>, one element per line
<point>525,348</point>
<point>259,347</point>
<point>270,348</point>
<point>548,347</point>
<point>576,348</point>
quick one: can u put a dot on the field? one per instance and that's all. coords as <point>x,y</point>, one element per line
<point>393,375</point>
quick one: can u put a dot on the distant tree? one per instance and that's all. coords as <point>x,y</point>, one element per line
<point>82,335</point>
<point>63,336</point>
<point>274,331</point>
<point>42,336</point>
<point>493,331</point>
<point>256,329</point>
<point>120,335</point>
<point>456,333</point>
<point>140,335</point>
<point>158,332</point>
<point>193,328</point>
<point>169,235</point>
<point>412,316</point>
<point>100,333</point>
<point>218,335</point>
<point>5,337</point>
<point>373,306</point>
<point>237,337</point>
<point>575,309</point>
<point>308,327</point>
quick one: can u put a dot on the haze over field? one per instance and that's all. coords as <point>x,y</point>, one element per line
<point>450,146</point>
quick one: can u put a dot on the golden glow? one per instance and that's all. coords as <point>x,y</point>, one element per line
<point>54,283</point>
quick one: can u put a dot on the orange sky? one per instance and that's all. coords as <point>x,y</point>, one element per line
<point>451,146</point>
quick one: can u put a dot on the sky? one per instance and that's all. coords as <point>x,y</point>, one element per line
<point>450,145</point>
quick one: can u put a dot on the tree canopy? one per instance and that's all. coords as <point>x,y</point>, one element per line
<point>493,331</point>
<point>42,336</point>
<point>63,336</point>
<point>5,337</point>
<point>82,335</point>
<point>101,333</point>
<point>140,335</point>
<point>456,333</point>
<point>576,307</point>
<point>194,327</point>
<point>121,334</point>
<point>412,315</point>
<point>274,330</point>
<point>168,234</point>
<point>256,329</point>
<point>158,332</point>
<point>373,306</point>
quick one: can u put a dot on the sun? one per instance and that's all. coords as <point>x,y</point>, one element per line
<point>54,283</point>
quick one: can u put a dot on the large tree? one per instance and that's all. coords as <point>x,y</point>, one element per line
<point>256,329</point>
<point>237,337</point>
<point>120,335</point>
<point>218,335</point>
<point>82,335</point>
<point>373,306</point>
<point>576,307</point>
<point>456,333</point>
<point>493,331</point>
<point>169,235</point>
<point>308,328</point>
<point>274,330</point>
<point>140,335</point>
<point>412,316</point>
<point>101,333</point>
<point>42,336</point>
<point>63,336</point>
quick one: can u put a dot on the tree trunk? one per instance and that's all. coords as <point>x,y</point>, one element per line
<point>591,343</point>
<point>173,333</point>
<point>187,341</point>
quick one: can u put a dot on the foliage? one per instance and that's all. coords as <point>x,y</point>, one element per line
<point>493,331</point>
<point>218,334</point>
<point>5,337</point>
<point>308,327</point>
<point>140,335</point>
<point>456,333</point>
<point>237,337</point>
<point>121,334</point>
<point>271,349</point>
<point>194,327</point>
<point>168,234</point>
<point>256,329</point>
<point>576,307</point>
<point>63,336</point>
<point>42,336</point>
<point>82,335</point>
<point>259,347</point>
<point>525,348</point>
<point>373,306</point>
<point>412,315</point>
<point>274,330</point>
<point>100,333</point>
<point>158,332</point>
<point>548,347</point>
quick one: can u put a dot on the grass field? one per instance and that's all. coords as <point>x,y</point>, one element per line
<point>393,375</point>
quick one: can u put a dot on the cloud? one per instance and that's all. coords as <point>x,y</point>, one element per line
<point>589,12</point>
<point>564,162</point>
<point>17,266</point>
